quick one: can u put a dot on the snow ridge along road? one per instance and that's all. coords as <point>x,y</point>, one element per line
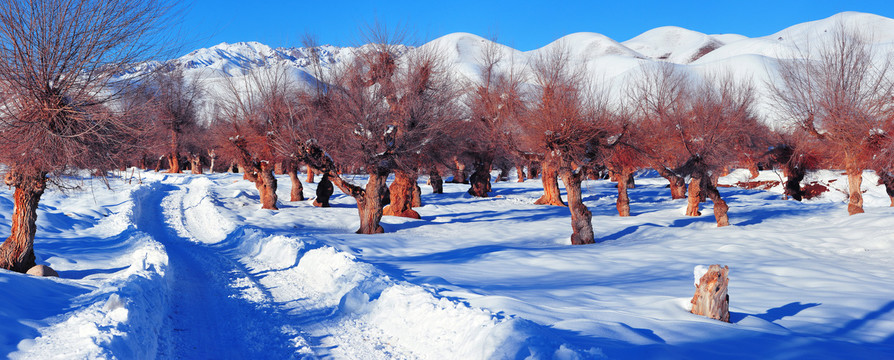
<point>209,316</point>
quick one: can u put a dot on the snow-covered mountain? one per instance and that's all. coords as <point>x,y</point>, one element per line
<point>606,59</point>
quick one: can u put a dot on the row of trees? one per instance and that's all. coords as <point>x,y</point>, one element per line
<point>71,100</point>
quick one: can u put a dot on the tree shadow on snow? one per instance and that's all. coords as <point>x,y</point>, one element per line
<point>777,313</point>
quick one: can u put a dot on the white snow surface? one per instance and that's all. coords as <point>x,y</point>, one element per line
<point>188,266</point>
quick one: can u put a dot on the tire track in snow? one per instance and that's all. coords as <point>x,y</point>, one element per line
<point>217,310</point>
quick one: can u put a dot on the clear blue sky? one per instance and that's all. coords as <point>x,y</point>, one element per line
<point>524,25</point>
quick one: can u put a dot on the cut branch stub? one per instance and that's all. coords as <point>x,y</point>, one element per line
<point>711,298</point>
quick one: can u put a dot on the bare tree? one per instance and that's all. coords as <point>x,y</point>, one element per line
<point>567,127</point>
<point>841,94</point>
<point>381,112</point>
<point>61,68</point>
<point>177,101</point>
<point>495,104</point>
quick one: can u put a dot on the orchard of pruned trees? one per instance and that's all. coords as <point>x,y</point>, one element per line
<point>77,95</point>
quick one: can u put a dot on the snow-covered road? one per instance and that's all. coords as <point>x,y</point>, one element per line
<point>207,318</point>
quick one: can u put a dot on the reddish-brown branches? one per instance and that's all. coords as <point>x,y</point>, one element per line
<point>842,96</point>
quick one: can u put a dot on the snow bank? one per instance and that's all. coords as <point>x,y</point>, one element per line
<point>106,303</point>
<point>367,312</point>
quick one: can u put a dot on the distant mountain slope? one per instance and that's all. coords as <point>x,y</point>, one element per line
<point>605,59</point>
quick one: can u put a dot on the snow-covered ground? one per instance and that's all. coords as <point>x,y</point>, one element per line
<point>185,266</point>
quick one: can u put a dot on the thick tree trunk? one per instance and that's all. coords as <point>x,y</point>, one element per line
<point>402,190</point>
<point>17,252</point>
<point>581,223</point>
<point>436,182</point>
<point>213,156</point>
<point>174,157</point>
<point>310,174</point>
<point>793,177</point>
<point>677,184</point>
<point>159,163</point>
<point>195,164</point>
<point>623,203</point>
<point>720,207</point>
<point>503,176</point>
<point>631,182</point>
<point>266,184</point>
<point>480,180</point>
<point>854,182</point>
<point>695,196</point>
<point>459,172</point>
<point>711,297</point>
<point>532,170</point>
<point>551,194</point>
<point>887,180</point>
<point>297,192</point>
<point>370,205</point>
<point>520,172</point>
<point>417,193</point>
<point>324,192</point>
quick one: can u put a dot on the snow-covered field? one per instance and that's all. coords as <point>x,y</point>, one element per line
<point>185,266</point>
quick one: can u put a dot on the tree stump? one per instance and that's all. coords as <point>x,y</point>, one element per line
<point>711,298</point>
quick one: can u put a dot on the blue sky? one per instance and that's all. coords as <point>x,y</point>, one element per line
<point>524,25</point>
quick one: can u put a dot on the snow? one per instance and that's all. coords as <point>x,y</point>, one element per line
<point>189,266</point>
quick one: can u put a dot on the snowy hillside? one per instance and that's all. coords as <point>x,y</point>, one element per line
<point>608,61</point>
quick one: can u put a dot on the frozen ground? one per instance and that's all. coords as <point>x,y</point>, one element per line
<point>185,266</point>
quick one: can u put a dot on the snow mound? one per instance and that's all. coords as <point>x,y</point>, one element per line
<point>368,312</point>
<point>674,44</point>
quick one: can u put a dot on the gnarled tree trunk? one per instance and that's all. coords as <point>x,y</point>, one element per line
<point>370,205</point>
<point>711,296</point>
<point>695,195</point>
<point>677,183</point>
<point>623,203</point>
<point>436,182</point>
<point>324,192</point>
<point>17,252</point>
<point>793,177</point>
<point>297,192</point>
<point>459,172</point>
<point>310,174</point>
<point>520,172</point>
<point>195,164</point>
<point>532,170</point>
<point>551,194</point>
<point>480,180</point>
<point>174,156</point>
<point>402,190</point>
<point>266,184</point>
<point>720,207</point>
<point>581,217</point>
<point>854,181</point>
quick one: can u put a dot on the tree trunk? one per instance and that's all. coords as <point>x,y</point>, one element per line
<point>503,176</point>
<point>677,184</point>
<point>417,193</point>
<point>623,203</point>
<point>297,192</point>
<point>695,197</point>
<point>793,177</point>
<point>402,190</point>
<point>195,164</point>
<point>324,192</point>
<point>887,180</point>
<point>581,223</point>
<point>213,156</point>
<point>711,297</point>
<point>370,205</point>
<point>435,180</point>
<point>520,172</point>
<point>631,182</point>
<point>174,157</point>
<point>855,195</point>
<point>551,194</point>
<point>720,207</point>
<point>459,173</point>
<point>310,174</point>
<point>159,163</point>
<point>265,182</point>
<point>532,170</point>
<point>17,252</point>
<point>480,180</point>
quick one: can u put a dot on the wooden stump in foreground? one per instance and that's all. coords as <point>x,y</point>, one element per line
<point>711,298</point>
